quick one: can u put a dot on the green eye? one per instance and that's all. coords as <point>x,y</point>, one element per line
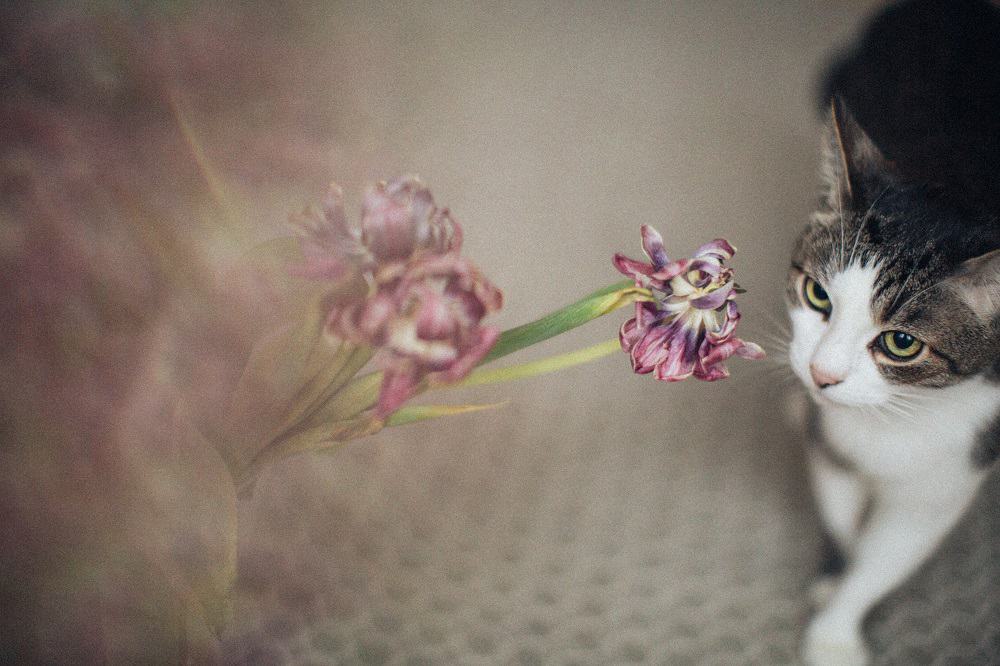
<point>900,346</point>
<point>816,296</point>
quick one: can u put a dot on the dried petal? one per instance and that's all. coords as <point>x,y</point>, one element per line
<point>687,329</point>
<point>399,218</point>
<point>331,250</point>
<point>425,303</point>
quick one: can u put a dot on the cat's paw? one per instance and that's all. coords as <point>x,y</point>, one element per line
<point>821,589</point>
<point>831,643</point>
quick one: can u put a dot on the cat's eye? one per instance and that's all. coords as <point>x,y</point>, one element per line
<point>900,346</point>
<point>815,296</point>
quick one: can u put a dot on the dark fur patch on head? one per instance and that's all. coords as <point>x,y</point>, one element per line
<point>919,243</point>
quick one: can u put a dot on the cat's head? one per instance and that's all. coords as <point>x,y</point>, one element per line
<point>892,285</point>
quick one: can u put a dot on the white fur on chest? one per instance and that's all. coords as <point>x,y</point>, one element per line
<point>938,434</point>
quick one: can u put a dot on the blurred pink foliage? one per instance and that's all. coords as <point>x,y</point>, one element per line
<point>425,302</point>
<point>122,333</point>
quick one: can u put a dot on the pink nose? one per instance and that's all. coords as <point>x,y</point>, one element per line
<point>822,378</point>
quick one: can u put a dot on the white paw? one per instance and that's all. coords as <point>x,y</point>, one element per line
<point>831,643</point>
<point>821,589</point>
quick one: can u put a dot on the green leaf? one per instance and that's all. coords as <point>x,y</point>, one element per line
<point>599,303</point>
<point>541,366</point>
<point>415,413</point>
<point>315,438</point>
<point>361,393</point>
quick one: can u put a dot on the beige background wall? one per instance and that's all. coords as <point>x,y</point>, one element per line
<point>599,517</point>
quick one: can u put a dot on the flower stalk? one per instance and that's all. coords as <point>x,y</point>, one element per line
<point>401,295</point>
<point>342,409</point>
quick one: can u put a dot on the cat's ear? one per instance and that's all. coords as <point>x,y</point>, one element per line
<point>977,282</point>
<point>851,161</point>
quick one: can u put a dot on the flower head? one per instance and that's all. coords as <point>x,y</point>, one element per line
<point>425,303</point>
<point>688,327</point>
<point>425,324</point>
<point>398,221</point>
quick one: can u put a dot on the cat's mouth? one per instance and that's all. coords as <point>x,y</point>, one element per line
<point>842,396</point>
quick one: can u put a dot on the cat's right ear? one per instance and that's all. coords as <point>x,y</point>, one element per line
<point>977,282</point>
<point>852,162</point>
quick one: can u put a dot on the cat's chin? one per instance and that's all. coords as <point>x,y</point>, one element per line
<point>842,400</point>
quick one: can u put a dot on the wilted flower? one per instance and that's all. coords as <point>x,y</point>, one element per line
<point>425,324</point>
<point>425,303</point>
<point>398,221</point>
<point>688,327</point>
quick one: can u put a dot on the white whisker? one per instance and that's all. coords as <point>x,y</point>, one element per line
<point>864,222</point>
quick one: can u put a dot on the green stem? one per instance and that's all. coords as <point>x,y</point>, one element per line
<point>340,416</point>
<point>540,367</point>
<point>416,413</point>
<point>361,393</point>
<point>597,304</point>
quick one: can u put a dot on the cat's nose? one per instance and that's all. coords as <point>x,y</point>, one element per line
<point>823,378</point>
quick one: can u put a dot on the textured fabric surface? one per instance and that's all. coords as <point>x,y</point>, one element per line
<point>582,550</point>
<point>949,610</point>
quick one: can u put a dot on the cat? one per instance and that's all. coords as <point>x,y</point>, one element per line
<point>894,300</point>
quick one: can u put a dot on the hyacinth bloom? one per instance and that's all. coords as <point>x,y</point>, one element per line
<point>688,327</point>
<point>424,306</point>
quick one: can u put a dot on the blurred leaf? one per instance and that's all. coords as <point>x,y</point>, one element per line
<point>315,438</point>
<point>541,366</point>
<point>206,490</point>
<point>357,395</point>
<point>415,413</point>
<point>599,303</point>
<point>289,374</point>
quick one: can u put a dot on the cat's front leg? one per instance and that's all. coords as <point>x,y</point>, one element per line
<point>841,495</point>
<point>905,526</point>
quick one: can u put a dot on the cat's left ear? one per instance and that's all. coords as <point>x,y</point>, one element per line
<point>977,282</point>
<point>852,161</point>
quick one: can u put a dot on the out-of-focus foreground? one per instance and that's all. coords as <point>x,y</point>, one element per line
<point>599,517</point>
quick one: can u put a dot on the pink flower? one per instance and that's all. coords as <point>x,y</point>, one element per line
<point>398,221</point>
<point>425,324</point>
<point>688,327</point>
<point>425,303</point>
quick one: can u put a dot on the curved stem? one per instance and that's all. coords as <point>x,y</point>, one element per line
<point>540,367</point>
<point>595,305</point>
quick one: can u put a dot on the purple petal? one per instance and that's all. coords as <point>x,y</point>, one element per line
<point>672,269</point>
<point>629,334</point>
<point>371,319</point>
<point>711,354</point>
<point>444,233</point>
<point>637,270</point>
<point>718,248</point>
<point>434,319</point>
<point>708,266</point>
<point>651,350</point>
<point>680,361</point>
<point>728,325</point>
<point>751,350</point>
<point>486,337</point>
<point>652,243</point>
<point>398,386</point>
<point>711,373</point>
<point>713,299</point>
